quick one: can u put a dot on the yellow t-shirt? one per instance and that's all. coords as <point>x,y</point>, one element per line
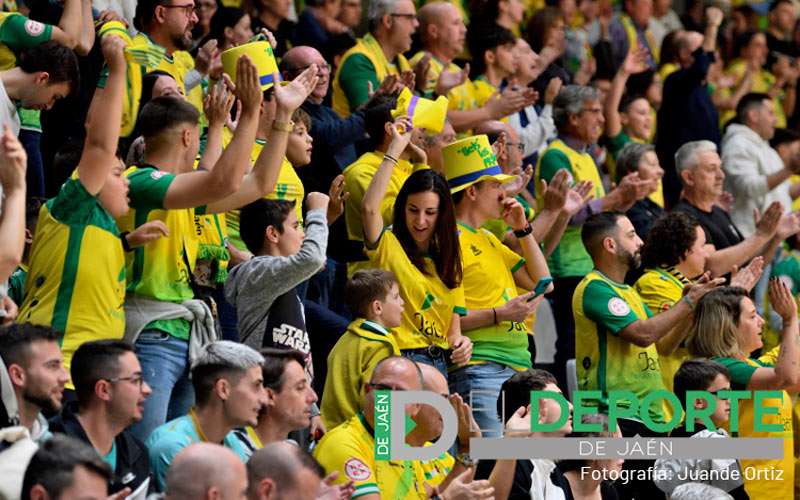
<point>429,304</point>
<point>660,289</point>
<point>763,81</point>
<point>350,449</point>
<point>357,177</point>
<point>76,281</point>
<point>350,365</point>
<point>488,268</point>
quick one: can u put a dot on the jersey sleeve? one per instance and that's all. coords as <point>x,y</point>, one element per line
<point>73,204</point>
<point>741,372</point>
<point>459,302</point>
<point>605,307</point>
<point>788,270</point>
<point>356,71</point>
<point>616,143</point>
<point>553,161</point>
<point>19,32</point>
<point>354,463</point>
<point>148,187</point>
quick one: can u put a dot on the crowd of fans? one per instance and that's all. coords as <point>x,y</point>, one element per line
<point>225,225</point>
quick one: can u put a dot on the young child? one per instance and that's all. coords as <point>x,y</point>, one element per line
<point>373,295</point>
<point>712,377</point>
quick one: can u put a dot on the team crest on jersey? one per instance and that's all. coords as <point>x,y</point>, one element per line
<point>157,174</point>
<point>618,307</point>
<point>34,28</point>
<point>357,470</point>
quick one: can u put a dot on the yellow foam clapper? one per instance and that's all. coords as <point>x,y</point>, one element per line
<point>423,113</point>
<point>261,54</point>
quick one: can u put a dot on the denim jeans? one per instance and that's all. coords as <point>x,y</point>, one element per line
<point>32,140</point>
<point>479,386</point>
<point>419,356</point>
<point>165,366</point>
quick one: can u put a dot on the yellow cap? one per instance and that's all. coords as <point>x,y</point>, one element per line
<point>469,161</point>
<point>262,56</point>
<point>423,113</point>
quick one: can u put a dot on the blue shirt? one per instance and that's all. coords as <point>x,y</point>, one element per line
<point>168,439</point>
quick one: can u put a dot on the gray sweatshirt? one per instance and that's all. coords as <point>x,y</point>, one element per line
<point>253,286</point>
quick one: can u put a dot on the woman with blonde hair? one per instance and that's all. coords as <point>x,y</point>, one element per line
<point>727,329</point>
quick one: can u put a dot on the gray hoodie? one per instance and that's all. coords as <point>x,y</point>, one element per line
<point>253,286</point>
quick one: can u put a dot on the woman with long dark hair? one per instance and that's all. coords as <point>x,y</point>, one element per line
<point>230,27</point>
<point>422,250</point>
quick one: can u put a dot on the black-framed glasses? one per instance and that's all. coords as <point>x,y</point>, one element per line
<point>518,145</point>
<point>404,16</point>
<point>188,8</point>
<point>133,379</point>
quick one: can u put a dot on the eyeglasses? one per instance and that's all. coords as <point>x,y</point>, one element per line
<point>188,9</point>
<point>321,68</point>
<point>404,16</point>
<point>134,379</point>
<point>518,145</point>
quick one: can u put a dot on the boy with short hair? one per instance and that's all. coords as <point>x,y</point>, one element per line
<point>373,296</point>
<point>726,474</point>
<point>263,289</point>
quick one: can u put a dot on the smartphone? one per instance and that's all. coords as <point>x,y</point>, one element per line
<point>541,287</point>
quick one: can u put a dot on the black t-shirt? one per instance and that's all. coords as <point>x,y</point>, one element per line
<point>286,327</point>
<point>717,225</point>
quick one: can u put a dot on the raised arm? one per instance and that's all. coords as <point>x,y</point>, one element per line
<point>195,189</point>
<point>371,204</point>
<point>635,62</point>
<point>13,163</point>
<point>261,180</point>
<point>646,332</point>
<point>786,373</point>
<point>721,262</point>
<point>100,148</point>
<point>70,26</point>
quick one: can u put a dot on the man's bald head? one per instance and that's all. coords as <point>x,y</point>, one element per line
<point>283,470</point>
<point>442,29</point>
<point>432,379</point>
<point>398,371</point>
<point>297,59</point>
<point>202,467</point>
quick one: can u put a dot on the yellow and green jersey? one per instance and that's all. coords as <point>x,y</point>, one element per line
<point>660,289</point>
<point>437,469</point>
<point>569,258</point>
<point>288,187</point>
<point>363,63</point>
<point>357,177</point>
<point>350,449</point>
<point>488,270</point>
<point>350,365</point>
<point>763,482</point>
<point>605,362</point>
<point>160,270</point>
<point>763,82</point>
<point>76,280</point>
<point>429,304</point>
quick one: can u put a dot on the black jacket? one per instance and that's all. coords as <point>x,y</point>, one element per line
<point>133,465</point>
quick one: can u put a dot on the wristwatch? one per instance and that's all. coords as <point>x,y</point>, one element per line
<point>521,233</point>
<point>466,460</point>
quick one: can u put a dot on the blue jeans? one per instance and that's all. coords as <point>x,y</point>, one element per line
<point>418,356</point>
<point>165,366</point>
<point>32,141</point>
<point>479,386</point>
